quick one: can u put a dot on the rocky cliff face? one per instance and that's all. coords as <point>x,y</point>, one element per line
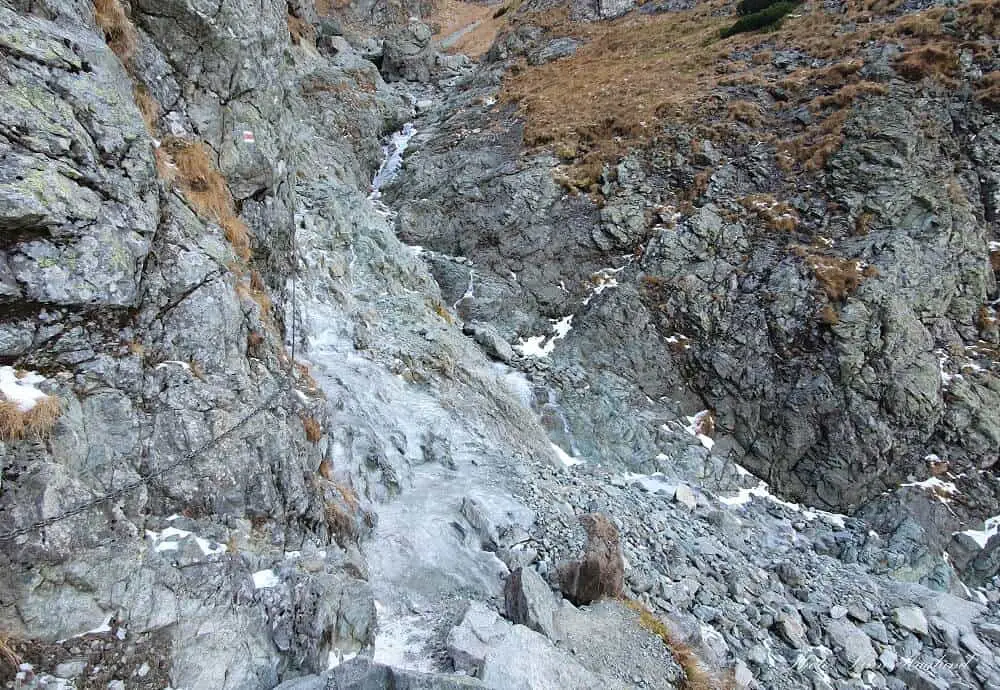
<point>285,435</point>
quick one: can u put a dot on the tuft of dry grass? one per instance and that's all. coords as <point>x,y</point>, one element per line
<point>938,60</point>
<point>340,512</point>
<point>9,659</point>
<point>35,423</point>
<point>829,315</point>
<point>776,215</point>
<point>190,164</point>
<point>300,30</point>
<point>314,432</point>
<point>745,111</point>
<point>696,676</point>
<point>149,108</point>
<point>839,277</point>
<point>119,31</point>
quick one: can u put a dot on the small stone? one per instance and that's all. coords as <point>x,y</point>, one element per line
<point>855,649</point>
<point>838,611</point>
<point>791,630</point>
<point>859,613</point>
<point>70,669</point>
<point>876,630</point>
<point>686,497</point>
<point>888,659</point>
<point>911,618</point>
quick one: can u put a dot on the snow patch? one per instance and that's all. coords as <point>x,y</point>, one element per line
<point>170,538</point>
<point>21,390</point>
<point>263,579</point>
<point>696,426</point>
<point>336,658</point>
<point>743,496</point>
<point>941,489</point>
<point>541,345</point>
<point>990,527</point>
<point>601,281</point>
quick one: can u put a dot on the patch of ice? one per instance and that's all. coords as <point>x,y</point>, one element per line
<point>990,527</point>
<point>516,382</point>
<point>565,458</point>
<point>265,578</point>
<point>393,161</point>
<point>21,390</point>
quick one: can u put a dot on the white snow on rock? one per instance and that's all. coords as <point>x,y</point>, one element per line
<point>21,390</point>
<point>940,488</point>
<point>336,658</point>
<point>990,527</point>
<point>743,496</point>
<point>542,345</point>
<point>696,427</point>
<point>265,578</point>
<point>601,281</point>
<point>678,339</point>
<point>170,538</point>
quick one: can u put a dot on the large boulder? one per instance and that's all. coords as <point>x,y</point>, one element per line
<point>407,54</point>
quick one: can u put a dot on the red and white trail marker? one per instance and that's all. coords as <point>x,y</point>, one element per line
<point>248,137</point>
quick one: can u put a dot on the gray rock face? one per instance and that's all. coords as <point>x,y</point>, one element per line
<point>399,471</point>
<point>407,54</point>
<point>78,193</point>
<point>529,601</point>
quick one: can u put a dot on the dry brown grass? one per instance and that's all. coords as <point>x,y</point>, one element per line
<point>314,432</point>
<point>776,215</point>
<point>839,277</point>
<point>454,15</point>
<point>205,187</point>
<point>829,315</point>
<point>119,32</point>
<point>745,111</point>
<point>36,423</point>
<point>300,30</point>
<point>630,73</point>
<point>696,676</point>
<point>341,512</point>
<point>9,659</point>
<point>938,60</point>
<point>636,72</point>
<point>149,108</point>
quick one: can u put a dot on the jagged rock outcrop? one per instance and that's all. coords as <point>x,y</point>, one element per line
<point>291,447</point>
